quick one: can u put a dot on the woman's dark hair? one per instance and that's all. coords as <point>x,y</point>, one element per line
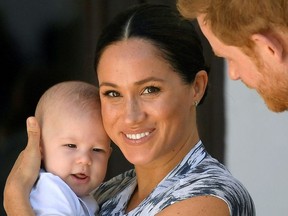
<point>175,37</point>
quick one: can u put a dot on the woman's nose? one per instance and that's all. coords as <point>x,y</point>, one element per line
<point>133,112</point>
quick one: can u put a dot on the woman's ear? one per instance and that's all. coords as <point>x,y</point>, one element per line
<point>268,44</point>
<point>199,85</point>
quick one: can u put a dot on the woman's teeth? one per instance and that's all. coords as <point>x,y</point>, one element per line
<point>137,136</point>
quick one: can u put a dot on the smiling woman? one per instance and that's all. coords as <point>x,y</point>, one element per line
<point>152,76</point>
<point>135,102</point>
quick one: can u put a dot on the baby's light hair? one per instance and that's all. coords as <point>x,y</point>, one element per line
<point>78,94</point>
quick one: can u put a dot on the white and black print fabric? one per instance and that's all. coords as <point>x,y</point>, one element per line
<point>197,174</point>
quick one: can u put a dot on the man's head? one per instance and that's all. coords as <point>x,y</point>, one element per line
<point>254,45</point>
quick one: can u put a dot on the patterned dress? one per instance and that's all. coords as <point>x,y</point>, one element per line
<point>197,174</point>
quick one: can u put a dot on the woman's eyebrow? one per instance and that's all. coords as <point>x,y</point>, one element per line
<point>140,82</point>
<point>107,84</point>
<point>149,79</point>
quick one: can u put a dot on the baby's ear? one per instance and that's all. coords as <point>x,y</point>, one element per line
<point>41,149</point>
<point>42,154</point>
<point>269,44</point>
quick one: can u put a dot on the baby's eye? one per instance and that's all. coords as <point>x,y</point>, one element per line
<point>97,150</point>
<point>151,90</point>
<point>71,145</point>
<point>112,94</point>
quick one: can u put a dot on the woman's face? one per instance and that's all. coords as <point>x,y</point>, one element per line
<point>147,110</point>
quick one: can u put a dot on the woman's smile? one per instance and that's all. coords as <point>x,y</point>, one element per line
<point>137,136</point>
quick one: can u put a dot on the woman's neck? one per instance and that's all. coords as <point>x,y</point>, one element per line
<point>149,176</point>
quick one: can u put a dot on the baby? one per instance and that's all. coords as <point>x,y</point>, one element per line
<point>75,150</point>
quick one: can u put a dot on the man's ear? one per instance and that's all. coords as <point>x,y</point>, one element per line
<point>270,45</point>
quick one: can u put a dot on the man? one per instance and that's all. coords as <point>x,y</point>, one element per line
<point>252,35</point>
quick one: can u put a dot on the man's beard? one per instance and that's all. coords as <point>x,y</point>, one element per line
<point>274,90</point>
<point>273,87</point>
<point>277,103</point>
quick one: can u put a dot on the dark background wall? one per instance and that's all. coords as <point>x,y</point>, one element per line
<point>45,42</point>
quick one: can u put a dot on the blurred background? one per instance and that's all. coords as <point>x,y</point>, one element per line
<point>46,42</point>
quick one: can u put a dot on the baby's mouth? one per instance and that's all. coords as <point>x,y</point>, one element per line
<point>80,176</point>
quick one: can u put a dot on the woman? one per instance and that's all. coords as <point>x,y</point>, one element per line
<point>151,74</point>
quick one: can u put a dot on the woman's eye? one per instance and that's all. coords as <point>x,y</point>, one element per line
<point>151,90</point>
<point>112,94</point>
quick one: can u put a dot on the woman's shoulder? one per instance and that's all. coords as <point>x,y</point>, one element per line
<point>198,175</point>
<point>210,177</point>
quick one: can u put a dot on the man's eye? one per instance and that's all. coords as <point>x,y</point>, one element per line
<point>151,90</point>
<point>71,145</point>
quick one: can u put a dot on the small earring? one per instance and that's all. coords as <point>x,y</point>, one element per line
<point>195,103</point>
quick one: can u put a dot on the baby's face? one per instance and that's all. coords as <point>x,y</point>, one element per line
<point>76,147</point>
